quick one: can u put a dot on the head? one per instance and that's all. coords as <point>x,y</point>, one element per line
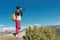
<point>19,8</point>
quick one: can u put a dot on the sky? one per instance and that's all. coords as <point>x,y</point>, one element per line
<point>42,12</point>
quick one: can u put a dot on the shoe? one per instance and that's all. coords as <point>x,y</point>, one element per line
<point>16,35</point>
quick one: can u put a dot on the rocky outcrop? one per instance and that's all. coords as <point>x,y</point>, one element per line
<point>10,36</point>
<point>7,37</point>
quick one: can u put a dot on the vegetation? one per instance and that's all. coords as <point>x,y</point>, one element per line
<point>40,33</point>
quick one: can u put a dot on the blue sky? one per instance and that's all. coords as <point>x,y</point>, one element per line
<point>41,12</point>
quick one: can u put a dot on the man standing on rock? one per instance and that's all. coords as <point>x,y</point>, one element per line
<point>17,18</point>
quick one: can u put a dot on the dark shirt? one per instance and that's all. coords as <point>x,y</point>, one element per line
<point>18,13</point>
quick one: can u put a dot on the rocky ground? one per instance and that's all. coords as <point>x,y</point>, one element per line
<point>7,37</point>
<point>12,37</point>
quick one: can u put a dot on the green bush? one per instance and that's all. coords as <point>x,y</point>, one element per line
<point>40,33</point>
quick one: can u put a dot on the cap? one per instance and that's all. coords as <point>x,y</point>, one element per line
<point>18,7</point>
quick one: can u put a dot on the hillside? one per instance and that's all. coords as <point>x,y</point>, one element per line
<point>56,27</point>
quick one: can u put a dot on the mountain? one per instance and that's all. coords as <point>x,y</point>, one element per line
<point>55,27</point>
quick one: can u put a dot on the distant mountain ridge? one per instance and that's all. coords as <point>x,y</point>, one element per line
<point>55,27</point>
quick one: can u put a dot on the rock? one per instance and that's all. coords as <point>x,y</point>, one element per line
<point>7,37</point>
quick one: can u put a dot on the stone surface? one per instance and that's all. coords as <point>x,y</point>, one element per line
<point>12,37</point>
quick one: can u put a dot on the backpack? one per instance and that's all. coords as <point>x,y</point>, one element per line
<point>14,17</point>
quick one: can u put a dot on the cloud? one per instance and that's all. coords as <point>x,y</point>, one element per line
<point>7,29</point>
<point>10,29</point>
<point>38,25</point>
<point>56,24</point>
<point>1,25</point>
<point>53,24</point>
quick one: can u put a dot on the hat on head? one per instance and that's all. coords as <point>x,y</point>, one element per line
<point>18,7</point>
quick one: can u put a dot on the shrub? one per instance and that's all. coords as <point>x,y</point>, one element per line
<point>40,33</point>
